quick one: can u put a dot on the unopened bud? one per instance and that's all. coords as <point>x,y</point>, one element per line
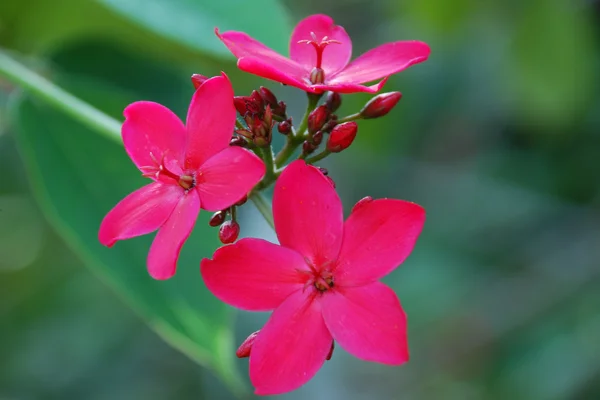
<point>317,118</point>
<point>342,136</point>
<point>257,99</point>
<point>198,80</point>
<point>330,351</point>
<point>284,127</point>
<point>238,141</point>
<point>380,105</point>
<point>217,219</point>
<point>268,96</point>
<point>308,147</point>
<point>242,201</point>
<point>364,201</point>
<point>333,101</point>
<point>317,138</point>
<point>280,109</point>
<point>229,232</point>
<point>244,350</point>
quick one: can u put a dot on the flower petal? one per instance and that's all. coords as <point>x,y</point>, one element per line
<point>164,252</point>
<point>378,236</point>
<point>382,61</point>
<point>151,131</point>
<point>308,213</point>
<point>228,176</point>
<point>210,121</point>
<point>141,212</point>
<point>335,55</point>
<point>264,68</point>
<point>291,347</point>
<point>349,87</point>
<point>368,322</point>
<point>254,274</point>
<point>242,46</point>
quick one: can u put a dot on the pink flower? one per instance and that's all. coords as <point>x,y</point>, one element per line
<point>322,280</point>
<point>319,56</point>
<point>191,166</point>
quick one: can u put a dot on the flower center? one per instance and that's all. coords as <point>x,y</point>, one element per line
<point>317,75</point>
<point>186,181</point>
<point>321,278</point>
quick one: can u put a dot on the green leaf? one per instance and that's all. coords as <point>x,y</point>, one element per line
<point>192,22</point>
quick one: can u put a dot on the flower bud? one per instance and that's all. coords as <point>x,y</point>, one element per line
<point>308,147</point>
<point>365,200</point>
<point>240,104</point>
<point>380,105</point>
<point>330,351</point>
<point>229,232</point>
<point>317,138</point>
<point>280,109</point>
<point>333,101</point>
<point>257,99</point>
<point>238,141</point>
<point>342,136</point>
<point>242,201</point>
<point>284,127</point>
<point>244,350</point>
<point>268,97</point>
<point>324,171</point>
<point>198,80</point>
<point>217,219</point>
<point>317,118</point>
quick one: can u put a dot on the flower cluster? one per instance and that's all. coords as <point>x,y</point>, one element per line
<point>322,279</point>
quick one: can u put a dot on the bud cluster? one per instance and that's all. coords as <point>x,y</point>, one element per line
<point>260,110</point>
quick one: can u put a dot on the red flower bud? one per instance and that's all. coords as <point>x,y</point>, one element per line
<point>280,109</point>
<point>217,219</point>
<point>284,127</point>
<point>308,147</point>
<point>342,136</point>
<point>198,80</point>
<point>362,202</point>
<point>317,138</point>
<point>257,99</point>
<point>330,351</point>
<point>229,232</point>
<point>238,141</point>
<point>268,96</point>
<point>317,118</point>
<point>380,105</point>
<point>333,101</point>
<point>244,350</point>
<point>242,201</point>
<point>240,104</point>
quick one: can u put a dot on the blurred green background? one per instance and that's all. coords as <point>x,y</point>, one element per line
<point>497,136</point>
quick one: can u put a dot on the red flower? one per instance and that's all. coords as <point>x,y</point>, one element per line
<point>322,280</point>
<point>319,56</point>
<point>192,167</point>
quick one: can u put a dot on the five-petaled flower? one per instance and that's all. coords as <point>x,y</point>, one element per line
<point>319,56</point>
<point>192,167</point>
<point>322,281</point>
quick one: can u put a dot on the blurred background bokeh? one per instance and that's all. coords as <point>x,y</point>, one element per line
<point>497,136</point>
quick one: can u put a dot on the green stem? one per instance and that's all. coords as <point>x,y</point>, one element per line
<point>297,137</point>
<point>351,117</point>
<point>59,98</point>
<point>270,175</point>
<point>318,157</point>
<point>263,206</point>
